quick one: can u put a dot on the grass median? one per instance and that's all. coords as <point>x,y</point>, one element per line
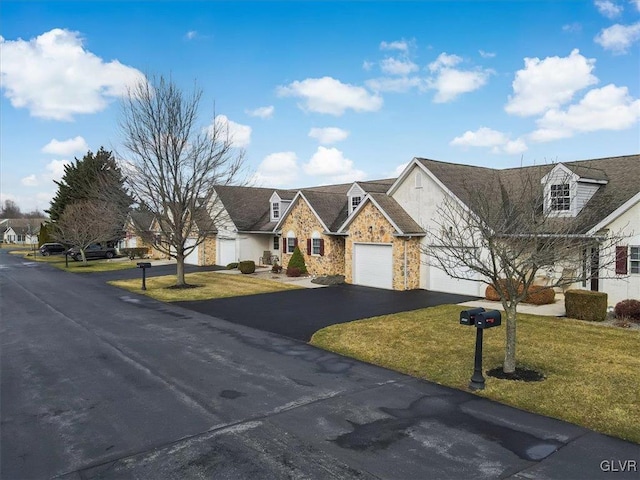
<point>210,285</point>
<point>92,266</point>
<point>592,371</point>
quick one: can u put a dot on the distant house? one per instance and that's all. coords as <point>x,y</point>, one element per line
<point>21,231</point>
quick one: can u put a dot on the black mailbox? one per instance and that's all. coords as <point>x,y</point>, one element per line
<point>468,317</point>
<point>491,318</point>
<point>144,264</point>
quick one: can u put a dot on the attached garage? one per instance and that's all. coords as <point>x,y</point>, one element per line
<point>226,251</point>
<point>439,281</point>
<point>373,265</point>
<point>191,258</point>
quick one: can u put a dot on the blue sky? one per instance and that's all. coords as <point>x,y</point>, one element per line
<point>325,92</point>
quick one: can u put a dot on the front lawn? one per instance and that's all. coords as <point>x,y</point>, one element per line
<point>592,371</point>
<point>210,285</point>
<point>100,265</point>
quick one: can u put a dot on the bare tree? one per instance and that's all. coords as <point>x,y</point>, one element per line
<point>508,234</point>
<point>174,163</point>
<point>88,221</point>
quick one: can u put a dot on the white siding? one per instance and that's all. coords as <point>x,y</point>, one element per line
<point>584,193</point>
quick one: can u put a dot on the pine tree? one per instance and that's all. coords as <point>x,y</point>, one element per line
<point>297,261</point>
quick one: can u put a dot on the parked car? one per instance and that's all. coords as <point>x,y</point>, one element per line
<point>95,250</point>
<point>51,249</point>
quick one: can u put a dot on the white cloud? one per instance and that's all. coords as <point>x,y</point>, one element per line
<point>191,34</point>
<point>484,54</point>
<point>450,82</point>
<point>485,137</point>
<point>394,66</point>
<point>636,3</point>
<point>618,38</point>
<point>240,135</point>
<point>609,9</point>
<point>30,181</point>
<point>261,112</point>
<point>330,96</point>
<point>401,45</point>
<point>331,162</point>
<point>606,108</point>
<point>394,84</point>
<point>278,169</point>
<point>574,27</point>
<point>54,170</point>
<point>328,135</point>
<point>366,65</point>
<point>399,169</point>
<point>549,83</point>
<point>54,77</point>
<point>66,147</point>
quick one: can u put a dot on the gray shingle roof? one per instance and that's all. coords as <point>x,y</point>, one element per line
<point>330,207</point>
<point>397,214</point>
<point>22,226</point>
<point>622,175</point>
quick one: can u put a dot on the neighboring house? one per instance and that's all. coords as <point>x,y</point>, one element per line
<point>21,231</point>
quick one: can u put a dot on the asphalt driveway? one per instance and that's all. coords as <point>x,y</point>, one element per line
<point>300,313</point>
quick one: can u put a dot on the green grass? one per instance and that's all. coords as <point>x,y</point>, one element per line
<point>592,371</point>
<point>211,285</point>
<point>101,265</point>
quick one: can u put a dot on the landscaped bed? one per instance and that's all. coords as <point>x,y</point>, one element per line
<point>592,372</point>
<point>209,285</point>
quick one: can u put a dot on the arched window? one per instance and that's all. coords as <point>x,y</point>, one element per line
<point>292,242</point>
<point>315,244</point>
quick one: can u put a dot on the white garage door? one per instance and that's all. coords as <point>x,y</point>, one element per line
<point>373,265</point>
<point>191,258</point>
<point>441,282</point>
<point>226,251</point>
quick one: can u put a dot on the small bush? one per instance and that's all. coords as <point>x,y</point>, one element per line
<point>247,266</point>
<point>586,305</point>
<point>628,309</point>
<point>492,294</point>
<point>276,268</point>
<point>297,261</point>
<point>293,272</point>
<point>134,252</point>
<point>539,295</point>
<point>232,266</point>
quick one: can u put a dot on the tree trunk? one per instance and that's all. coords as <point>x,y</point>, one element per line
<point>180,270</point>
<point>83,256</point>
<point>510,344</point>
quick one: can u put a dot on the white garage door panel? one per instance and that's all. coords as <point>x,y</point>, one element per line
<point>192,258</point>
<point>373,265</point>
<point>441,282</point>
<point>227,252</point>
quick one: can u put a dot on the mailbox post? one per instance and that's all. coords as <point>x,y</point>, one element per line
<point>144,266</point>
<point>481,319</point>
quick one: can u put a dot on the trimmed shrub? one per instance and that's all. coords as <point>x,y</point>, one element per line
<point>297,261</point>
<point>492,294</point>
<point>134,252</point>
<point>539,295</point>
<point>247,266</point>
<point>276,268</point>
<point>628,309</point>
<point>586,305</point>
<point>293,272</point>
<point>232,266</point>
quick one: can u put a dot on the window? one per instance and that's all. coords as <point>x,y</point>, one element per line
<point>315,246</point>
<point>291,245</point>
<point>418,180</point>
<point>560,197</point>
<point>275,210</point>
<point>355,201</point>
<point>276,243</point>
<point>635,259</point>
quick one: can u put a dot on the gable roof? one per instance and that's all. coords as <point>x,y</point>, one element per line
<point>393,212</point>
<point>622,175</point>
<point>22,226</point>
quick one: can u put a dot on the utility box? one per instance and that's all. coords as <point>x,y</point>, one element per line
<point>488,319</point>
<point>468,317</point>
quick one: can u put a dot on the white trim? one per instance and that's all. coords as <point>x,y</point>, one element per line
<point>286,214</point>
<point>616,213</point>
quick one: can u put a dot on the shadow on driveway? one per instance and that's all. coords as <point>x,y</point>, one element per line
<point>300,313</point>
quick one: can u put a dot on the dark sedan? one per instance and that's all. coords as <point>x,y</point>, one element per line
<point>95,250</point>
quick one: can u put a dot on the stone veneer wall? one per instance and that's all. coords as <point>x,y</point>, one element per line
<point>302,221</point>
<point>382,232</point>
<point>207,252</point>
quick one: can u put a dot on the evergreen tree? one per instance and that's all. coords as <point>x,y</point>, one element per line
<point>94,177</point>
<point>297,261</point>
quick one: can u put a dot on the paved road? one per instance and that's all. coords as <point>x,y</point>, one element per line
<point>98,383</point>
<point>300,313</point>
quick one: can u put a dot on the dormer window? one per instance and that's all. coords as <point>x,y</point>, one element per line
<point>355,201</point>
<point>560,197</point>
<point>275,210</point>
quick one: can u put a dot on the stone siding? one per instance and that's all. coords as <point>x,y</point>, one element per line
<point>383,232</point>
<point>207,251</point>
<point>303,222</point>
